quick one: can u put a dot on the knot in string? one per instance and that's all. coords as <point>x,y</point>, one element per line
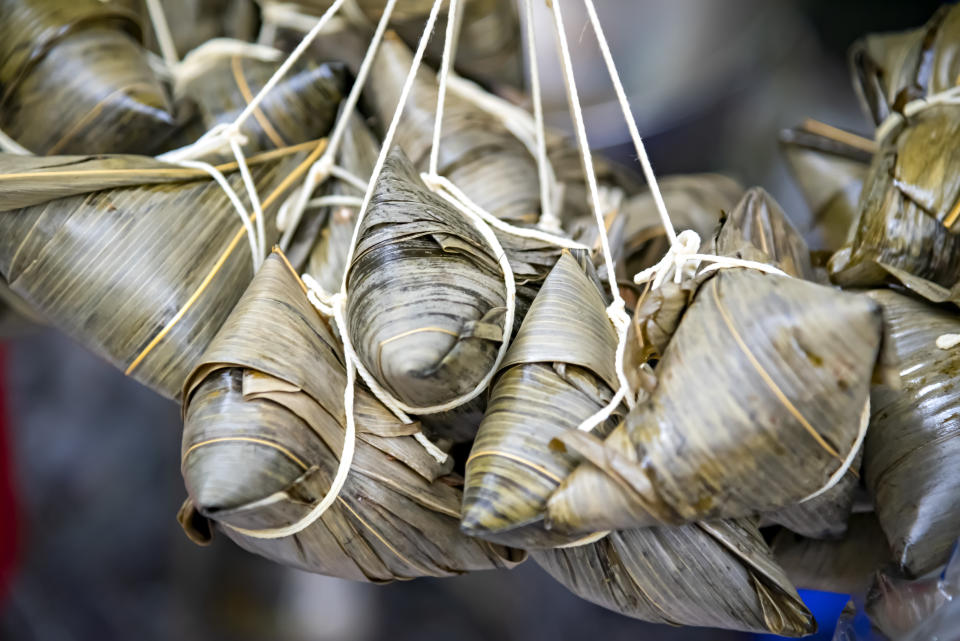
<point>684,252</point>
<point>680,252</point>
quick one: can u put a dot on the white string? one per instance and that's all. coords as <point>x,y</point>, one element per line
<point>11,146</point>
<point>441,182</point>
<point>164,38</point>
<point>291,211</point>
<point>616,311</point>
<point>198,60</point>
<point>548,219</point>
<point>517,121</point>
<point>335,200</point>
<point>255,250</point>
<point>631,124</point>
<point>252,194</point>
<point>949,96</point>
<point>442,90</point>
<point>343,470</point>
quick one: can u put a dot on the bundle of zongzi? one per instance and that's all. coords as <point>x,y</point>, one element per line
<point>75,79</point>
<point>760,400</point>
<point>912,451</point>
<point>139,260</point>
<point>264,429</point>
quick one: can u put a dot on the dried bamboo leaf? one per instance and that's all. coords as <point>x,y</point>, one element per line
<point>557,372</point>
<point>130,267</point>
<point>829,165</point>
<point>426,296</point>
<point>908,211</point>
<point>302,106</point>
<point>264,420</point>
<point>913,446</point>
<point>720,574</point>
<point>74,79</point>
<point>786,367</point>
<point>476,151</point>
<point>845,565</point>
<point>891,69</point>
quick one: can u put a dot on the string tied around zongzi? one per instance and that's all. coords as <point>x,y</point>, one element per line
<point>685,251</point>
<point>893,120</point>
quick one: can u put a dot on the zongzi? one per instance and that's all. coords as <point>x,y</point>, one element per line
<point>139,260</point>
<point>912,451</point>
<point>75,79</point>
<point>263,432</point>
<point>425,293</point>
<point>759,403</point>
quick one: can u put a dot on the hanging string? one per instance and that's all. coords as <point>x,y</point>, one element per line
<point>631,124</point>
<point>548,219</point>
<point>291,212</point>
<point>617,309</point>
<point>199,60</point>
<point>445,63</point>
<point>517,121</point>
<point>162,30</point>
<point>445,187</point>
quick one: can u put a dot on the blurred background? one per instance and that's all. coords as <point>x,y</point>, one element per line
<point>89,461</point>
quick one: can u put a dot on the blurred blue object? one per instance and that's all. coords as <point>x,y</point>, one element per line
<point>826,608</point>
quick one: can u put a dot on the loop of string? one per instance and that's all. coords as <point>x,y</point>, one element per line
<point>198,60</point>
<point>949,96</point>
